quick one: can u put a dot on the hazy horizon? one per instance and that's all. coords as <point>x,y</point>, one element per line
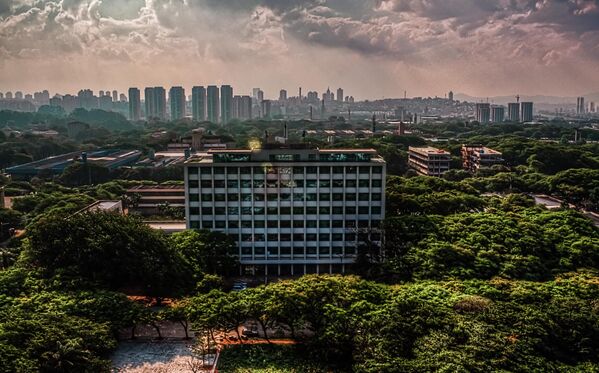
<point>372,48</point>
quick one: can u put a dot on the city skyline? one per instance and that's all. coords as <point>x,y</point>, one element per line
<point>374,49</point>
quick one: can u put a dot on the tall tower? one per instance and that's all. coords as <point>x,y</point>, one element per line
<point>226,99</point>
<point>198,103</point>
<point>527,111</point>
<point>177,99</point>
<point>483,112</point>
<point>340,95</point>
<point>283,95</point>
<point>513,112</point>
<point>134,104</point>
<point>212,103</point>
<point>149,102</point>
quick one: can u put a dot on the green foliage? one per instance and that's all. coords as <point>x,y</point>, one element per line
<point>267,359</point>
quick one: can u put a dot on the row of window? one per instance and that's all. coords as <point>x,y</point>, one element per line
<point>366,183</point>
<point>296,251</point>
<point>273,197</point>
<point>296,170</point>
<point>297,210</point>
<point>300,237</point>
<point>234,224</point>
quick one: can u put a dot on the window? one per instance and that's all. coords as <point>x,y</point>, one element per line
<point>220,211</point>
<point>246,183</point>
<point>232,170</point>
<point>233,224</point>
<point>246,237</point>
<point>298,197</point>
<point>350,196</point>
<point>273,251</point>
<point>350,170</point>
<point>325,196</point>
<point>285,197</point>
<point>272,184</point>
<point>219,183</point>
<point>363,224</point>
<point>298,210</point>
<point>311,170</point>
<point>310,183</point>
<point>325,210</point>
<point>206,171</point>
<point>325,170</point>
<point>246,197</point>
<point>310,196</point>
<point>258,210</point>
<point>337,196</point>
<point>259,237</point>
<point>272,211</point>
<point>258,183</point>
<point>298,237</point>
<point>206,197</point>
<point>299,183</point>
<point>298,224</point>
<point>298,170</point>
<point>285,224</point>
<point>233,197</point>
<point>259,197</point>
<point>337,223</point>
<point>375,210</point>
<point>206,183</point>
<point>311,250</point>
<point>246,211</point>
<point>363,210</point>
<point>285,237</point>
<point>233,210</point>
<point>194,198</point>
<point>245,170</point>
<point>377,170</point>
<point>376,196</point>
<point>207,224</point>
<point>246,224</point>
<point>325,184</point>
<point>324,250</point>
<point>220,197</point>
<point>206,210</point>
<point>273,237</point>
<point>311,224</point>
<point>350,236</point>
<point>285,251</point>
<point>311,210</point>
<point>259,251</point>
<point>363,197</point>
<point>337,169</point>
<point>219,170</point>
<point>311,237</point>
<point>325,224</point>
<point>337,237</point>
<point>350,183</point>
<point>258,170</point>
<point>259,224</point>
<point>363,183</point>
<point>272,224</point>
<point>193,184</point>
<point>194,211</point>
<point>285,210</point>
<point>377,183</point>
<point>337,183</point>
<point>364,170</point>
<point>220,224</point>
<point>350,210</point>
<point>337,210</point>
<point>194,225</point>
<point>324,237</point>
<point>192,170</point>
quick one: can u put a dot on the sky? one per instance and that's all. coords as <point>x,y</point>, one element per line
<point>371,48</point>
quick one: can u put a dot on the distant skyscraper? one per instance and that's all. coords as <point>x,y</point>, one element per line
<point>134,104</point>
<point>283,95</point>
<point>198,103</point>
<point>155,98</point>
<point>592,108</point>
<point>513,112</point>
<point>105,102</point>
<point>226,98</point>
<point>450,95</point>
<point>115,96</point>
<point>266,107</point>
<point>260,95</point>
<point>483,112</point>
<point>122,97</point>
<point>236,107</point>
<point>101,93</point>
<point>176,96</point>
<point>497,114</point>
<point>340,95</point>
<point>212,103</point>
<point>580,109</point>
<point>9,95</point>
<point>1,95</point>
<point>246,108</point>
<point>255,93</point>
<point>527,113</point>
<point>19,95</point>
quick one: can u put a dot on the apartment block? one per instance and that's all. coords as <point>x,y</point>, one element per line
<point>476,157</point>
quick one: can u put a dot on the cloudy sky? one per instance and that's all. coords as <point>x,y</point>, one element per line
<point>372,48</point>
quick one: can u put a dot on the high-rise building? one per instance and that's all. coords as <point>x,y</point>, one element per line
<point>592,108</point>
<point>18,95</point>
<point>198,103</point>
<point>266,109</point>
<point>122,97</point>
<point>105,102</point>
<point>115,96</point>
<point>580,109</point>
<point>9,95</point>
<point>134,104</point>
<point>236,107</point>
<point>246,108</point>
<point>255,93</point>
<point>339,94</point>
<point>527,111</point>
<point>101,93</point>
<point>483,112</point>
<point>497,114</point>
<point>291,211</point>
<point>212,103</point>
<point>283,95</point>
<point>450,96</point>
<point>513,112</point>
<point>226,98</point>
<point>155,102</point>
<point>176,97</point>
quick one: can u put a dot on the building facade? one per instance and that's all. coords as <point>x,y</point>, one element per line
<point>513,112</point>
<point>428,161</point>
<point>483,112</point>
<point>212,103</point>
<point>497,114</point>
<point>527,111</point>
<point>291,210</point>
<point>226,100</point>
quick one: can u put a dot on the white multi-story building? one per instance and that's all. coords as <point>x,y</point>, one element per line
<point>292,210</point>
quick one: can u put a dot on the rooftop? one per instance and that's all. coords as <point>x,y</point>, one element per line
<point>428,150</point>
